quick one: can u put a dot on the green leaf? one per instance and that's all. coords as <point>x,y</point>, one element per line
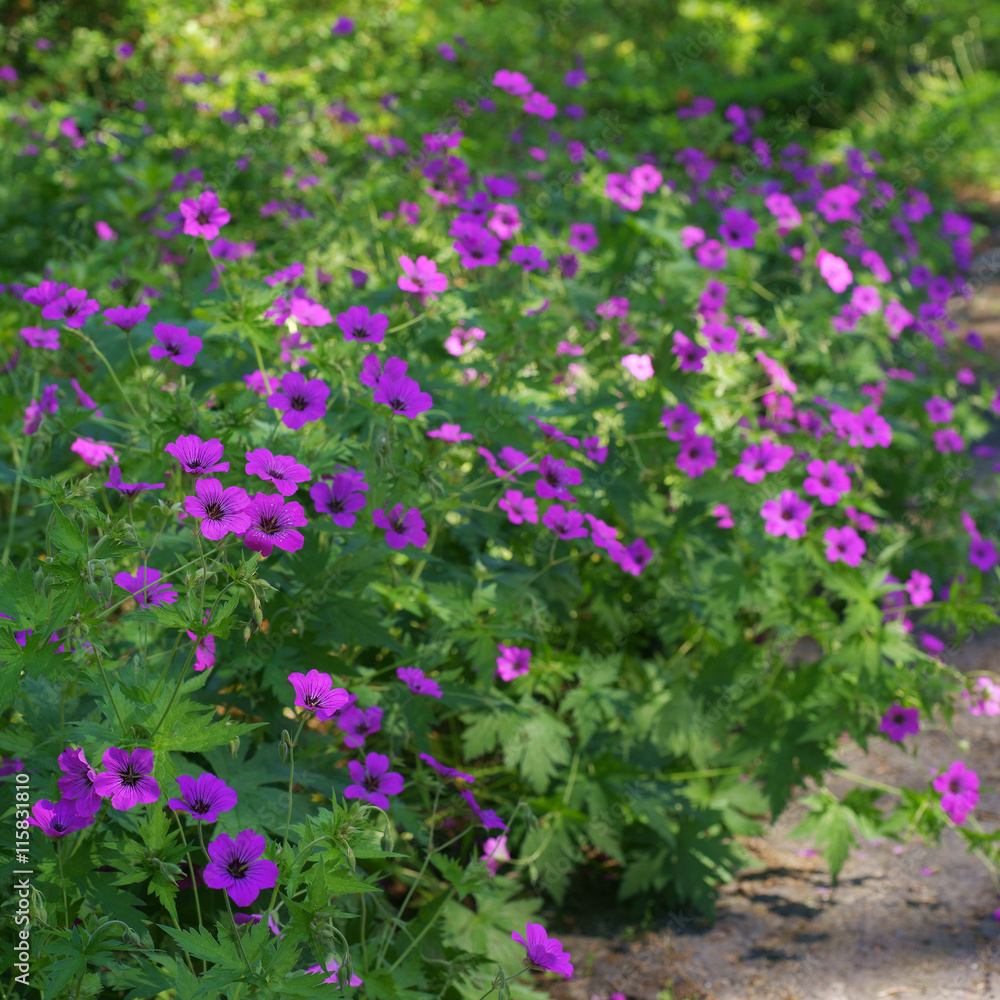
<point>200,944</point>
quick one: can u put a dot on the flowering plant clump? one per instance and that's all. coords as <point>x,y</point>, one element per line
<point>369,447</point>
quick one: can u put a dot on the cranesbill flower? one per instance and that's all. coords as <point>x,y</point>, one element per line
<point>948,440</point>
<point>724,515</point>
<point>315,692</point>
<point>196,456</point>
<point>358,324</point>
<point>77,782</point>
<point>128,489</point>
<point>519,508</point>
<point>505,221</point>
<point>959,788</point>
<point>544,952</point>
<point>738,228</point>
<point>986,703</point>
<point>537,103</point>
<point>204,798</point>
<point>444,770</point>
<point>282,470</point>
<point>514,83</point>
<point>697,455</point>
<point>452,433</point>
<point>333,965</point>
<point>126,317</point>
<point>488,817</point>
<point>358,723</point>
<point>421,277</point>
<point>844,545</point>
<point>301,400</point>
<point>83,399</point>
<point>72,307</point>
<point>900,722</point>
<point>203,216</point>
<point>273,523</point>
<point>59,818</point>
<point>689,354</point>
<point>127,779</point>
<point>372,369</point>
<point>401,529</point>
<point>566,524</point>
<point>556,475</point>
<point>512,662</point>
<point>680,421</point>
<point>639,366</point>
<point>632,558</point>
<point>834,270</point>
<point>143,587</point>
<point>402,395</point>
<point>983,554</point>
<point>529,257</point>
<point>221,510</point>
<point>760,459</point>
<point>414,679</point>
<point>721,339</point>
<point>827,481</point>
<point>373,781</point>
<point>93,452</point>
<point>35,336</point>
<point>918,586</point>
<point>175,343</point>
<point>340,496</point>
<point>495,853</point>
<point>786,515</point>
<point>238,866</point>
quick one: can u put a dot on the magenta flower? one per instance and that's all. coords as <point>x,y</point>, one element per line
<point>488,817</point>
<point>544,952</point>
<point>272,524</point>
<point>175,343</point>
<point>221,510</point>
<point>93,452</point>
<point>415,680</point>
<point>238,866</point>
<point>786,515</point>
<point>144,588</point>
<point>128,489</point>
<point>556,475</point>
<point>373,781</point>
<point>282,470</point>
<point>738,228</point>
<point>583,237</point>
<point>358,324</point>
<point>315,692</point>
<point>519,508</point>
<point>827,481</point>
<point>204,798</point>
<point>724,515</point>
<point>988,700</point>
<point>358,723</point>
<point>632,558</point>
<point>77,782</point>
<point>514,83</point>
<point>72,307</point>
<point>834,270</point>
<point>680,421</point>
<point>512,662</point>
<point>983,554</point>
<point>721,339</point>
<point>300,400</point>
<point>35,336</point>
<point>340,496</point>
<point>566,524</point>
<point>401,529</point>
<point>128,779</point>
<point>421,277</point>
<point>689,354</point>
<point>196,456</point>
<point>538,104</point>
<point>948,440</point>
<point>333,965</point>
<point>939,409</point>
<point>372,369</point>
<point>900,722</point>
<point>59,818</point>
<point>402,395</point>
<point>529,257</point>
<point>697,455</point>
<point>126,317</point>
<point>444,770</point>
<point>495,853</point>
<point>844,545</point>
<point>959,788</point>
<point>639,366</point>
<point>760,459</point>
<point>919,588</point>
<point>452,433</point>
<point>203,216</point>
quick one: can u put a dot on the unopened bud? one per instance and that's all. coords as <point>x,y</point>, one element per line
<point>107,589</point>
<point>234,746</point>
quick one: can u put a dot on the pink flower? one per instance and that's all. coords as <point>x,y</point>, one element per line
<point>544,952</point>
<point>844,545</point>
<point>221,510</point>
<point>899,722</point>
<point>452,433</point>
<point>421,277</point>
<point>725,516</point>
<point>959,788</point>
<point>827,481</point>
<point>518,507</point>
<point>834,270</point>
<point>512,662</point>
<point>697,455</point>
<point>401,529</point>
<point>373,781</point>
<point>495,853</point>
<point>203,216</point>
<point>639,366</point>
<point>919,588</point>
<point>988,700</point>
<point>272,524</point>
<point>786,515</point>
<point>93,452</point>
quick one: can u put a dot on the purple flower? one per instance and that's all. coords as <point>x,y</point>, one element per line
<point>544,952</point>
<point>983,554</point>
<point>514,83</point>
<point>272,524</point>
<point>72,307</point>
<point>444,770</point>
<point>175,343</point>
<point>834,269</point>
<point>402,395</point>
<point>738,228</point>
<point>689,354</point>
<point>126,317</point>
<point>421,277</point>
<point>344,26</point>
<point>127,779</point>
<point>373,781</point>
<point>358,324</point>
<point>128,489</point>
<point>221,510</point>
<point>372,369</point>
<point>760,459</point>
<point>196,456</point>
<point>556,475</point>
<point>512,662</point>
<point>827,481</point>
<point>632,558</point>
<point>519,508</point>
<point>58,819</point>
<point>844,545</point>
<point>315,691</point>
<point>358,723</point>
<point>238,866</point>
<point>415,680</point>
<point>918,586</point>
<point>680,421</point>
<point>495,853</point>
<point>144,588</point>
<point>204,798</point>
<point>203,216</point>
<point>282,470</point>
<point>333,965</point>
<point>566,524</point>
<point>583,237</point>
<point>401,529</point>
<point>92,452</point>
<point>300,400</point>
<point>452,433</point>
<point>488,817</point>
<point>530,258</point>
<point>697,455</point>
<point>899,722</point>
<point>959,787</point>
<point>340,496</point>
<point>77,782</point>
<point>35,336</point>
<point>786,515</point>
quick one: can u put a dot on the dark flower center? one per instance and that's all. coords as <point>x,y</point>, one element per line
<point>371,784</point>
<point>200,805</point>
<point>213,510</point>
<point>203,218</point>
<point>269,525</point>
<point>953,785</point>
<point>130,778</point>
<point>298,402</point>
<point>237,868</point>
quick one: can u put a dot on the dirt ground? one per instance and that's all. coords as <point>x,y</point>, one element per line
<point>905,921</point>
